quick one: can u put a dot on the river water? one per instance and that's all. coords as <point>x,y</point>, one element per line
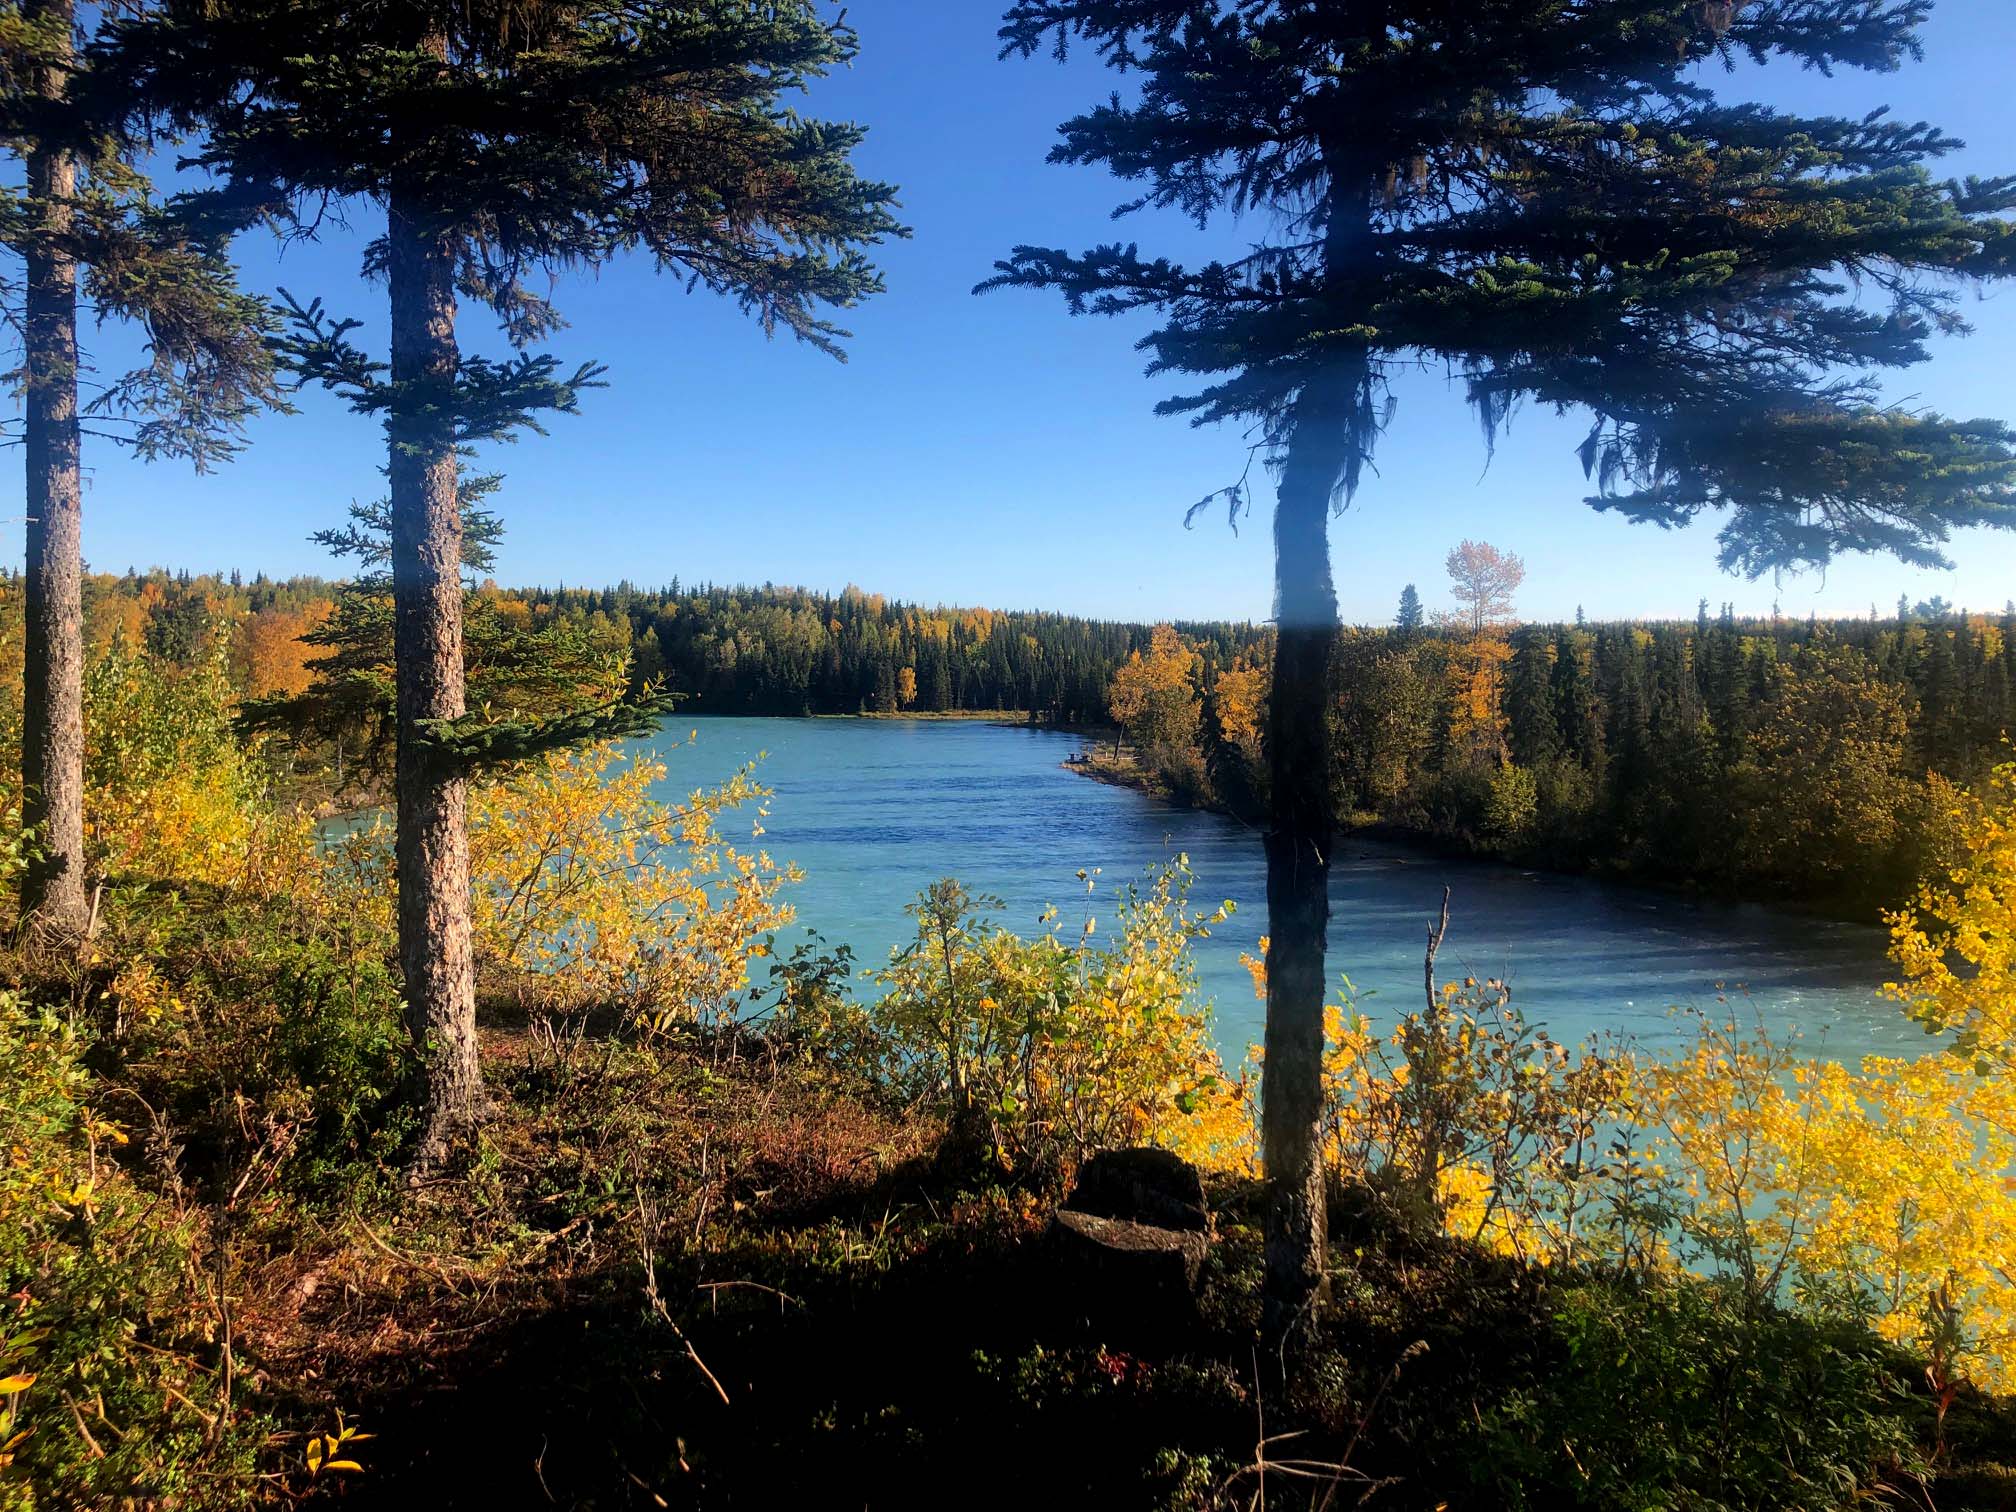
<point>874,810</point>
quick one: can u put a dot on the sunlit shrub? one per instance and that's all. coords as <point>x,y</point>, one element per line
<point>242,972</point>
<point>1955,945</point>
<point>1464,1117</point>
<point>170,794</point>
<point>1886,1191</point>
<point>1048,1049</point>
<point>591,893</point>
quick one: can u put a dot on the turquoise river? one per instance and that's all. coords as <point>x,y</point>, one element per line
<point>873,810</point>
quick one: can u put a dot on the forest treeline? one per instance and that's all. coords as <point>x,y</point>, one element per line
<point>1809,758</point>
<point>301,644</point>
<point>1806,757</point>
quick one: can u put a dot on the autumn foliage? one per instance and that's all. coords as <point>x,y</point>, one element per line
<point>1883,1191</point>
<point>593,893</point>
<point>1045,1050</point>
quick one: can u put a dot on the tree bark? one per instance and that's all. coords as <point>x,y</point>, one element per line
<point>1300,829</point>
<point>433,839</point>
<point>52,737</point>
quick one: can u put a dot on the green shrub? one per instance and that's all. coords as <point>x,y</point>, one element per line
<point>259,1029</point>
<point>1040,1051</point>
<point>109,1391</point>
<point>1681,1396</point>
<point>1513,807</point>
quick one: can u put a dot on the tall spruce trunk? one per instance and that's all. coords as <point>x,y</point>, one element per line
<point>1299,833</point>
<point>433,838</point>
<point>1329,430</point>
<point>52,736</point>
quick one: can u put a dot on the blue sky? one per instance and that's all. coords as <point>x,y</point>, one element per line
<point>993,450</point>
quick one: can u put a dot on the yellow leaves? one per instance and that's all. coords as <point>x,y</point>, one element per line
<point>592,892</point>
<point>1240,699</point>
<point>1477,682</point>
<point>1059,1049</point>
<point>1888,1183</point>
<point>10,1385</point>
<point>329,1452</point>
<point>171,792</point>
<point>76,1195</point>
<point>140,991</point>
<point>1155,698</point>
<point>1256,968</point>
<point>1955,944</point>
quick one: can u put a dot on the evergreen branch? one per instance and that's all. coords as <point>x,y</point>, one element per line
<point>475,743</point>
<point>317,350</point>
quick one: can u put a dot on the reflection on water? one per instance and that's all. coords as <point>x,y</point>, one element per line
<point>874,810</point>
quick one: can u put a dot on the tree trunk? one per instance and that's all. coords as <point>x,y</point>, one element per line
<point>433,838</point>
<point>1300,828</point>
<point>52,736</point>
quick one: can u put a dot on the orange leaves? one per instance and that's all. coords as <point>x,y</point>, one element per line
<point>272,654</point>
<point>1241,703</point>
<point>1477,683</point>
<point>1482,580</point>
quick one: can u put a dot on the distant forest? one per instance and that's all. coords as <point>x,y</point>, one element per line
<point>1765,754</point>
<point>728,650</point>
<point>775,650</point>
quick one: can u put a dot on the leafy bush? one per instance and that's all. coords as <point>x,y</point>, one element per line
<point>1685,1395</point>
<point>1513,807</point>
<point>244,971</point>
<point>1047,1051</point>
<point>109,1391</point>
<point>267,1034</point>
<point>1879,1192</point>
<point>171,795</point>
<point>1467,1119</point>
<point>593,894</point>
<point>1954,945</point>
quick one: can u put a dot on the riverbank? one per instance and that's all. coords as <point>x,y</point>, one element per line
<point>1118,765</point>
<point>875,811</point>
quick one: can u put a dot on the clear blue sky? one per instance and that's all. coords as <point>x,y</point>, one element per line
<point>993,450</point>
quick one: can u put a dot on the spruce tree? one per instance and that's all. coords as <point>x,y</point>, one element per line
<point>1544,196</point>
<point>528,674</point>
<point>1574,700</point>
<point>1408,619</point>
<point>503,144</point>
<point>1529,699</point>
<point>86,225</point>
